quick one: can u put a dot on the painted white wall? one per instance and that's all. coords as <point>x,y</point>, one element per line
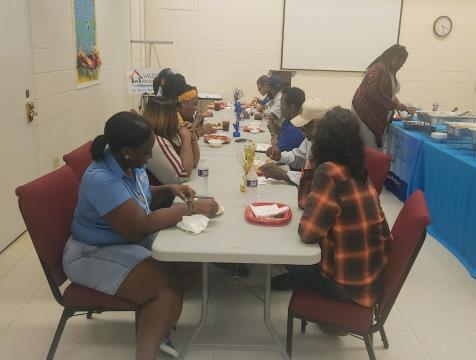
<point>68,117</point>
<point>223,44</point>
<point>220,45</point>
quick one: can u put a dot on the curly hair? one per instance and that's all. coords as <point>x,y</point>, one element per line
<point>337,138</point>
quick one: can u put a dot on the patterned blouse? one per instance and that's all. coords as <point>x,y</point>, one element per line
<point>343,215</point>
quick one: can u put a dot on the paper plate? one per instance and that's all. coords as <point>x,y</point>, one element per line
<point>283,218</point>
<point>224,138</point>
<point>253,130</point>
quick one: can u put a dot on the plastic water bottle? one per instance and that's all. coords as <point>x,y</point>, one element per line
<point>202,184</point>
<point>252,185</point>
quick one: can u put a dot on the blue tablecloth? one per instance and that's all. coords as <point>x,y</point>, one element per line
<point>405,148</point>
<point>448,178</point>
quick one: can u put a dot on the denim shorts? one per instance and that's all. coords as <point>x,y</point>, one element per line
<point>102,268</point>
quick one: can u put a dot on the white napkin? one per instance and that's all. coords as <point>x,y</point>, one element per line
<point>262,180</point>
<point>261,147</point>
<point>268,210</point>
<point>194,223</point>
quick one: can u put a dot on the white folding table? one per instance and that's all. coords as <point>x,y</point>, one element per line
<point>230,239</point>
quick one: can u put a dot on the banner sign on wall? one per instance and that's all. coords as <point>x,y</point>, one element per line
<point>140,80</point>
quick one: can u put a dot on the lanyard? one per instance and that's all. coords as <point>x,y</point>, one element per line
<point>140,196</point>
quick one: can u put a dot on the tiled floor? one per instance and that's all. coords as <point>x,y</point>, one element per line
<point>434,317</point>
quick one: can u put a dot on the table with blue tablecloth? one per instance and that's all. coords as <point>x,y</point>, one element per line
<point>447,175</point>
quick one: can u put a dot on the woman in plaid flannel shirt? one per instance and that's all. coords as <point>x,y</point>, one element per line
<point>342,214</point>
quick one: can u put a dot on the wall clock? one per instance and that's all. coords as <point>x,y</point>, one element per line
<point>442,26</point>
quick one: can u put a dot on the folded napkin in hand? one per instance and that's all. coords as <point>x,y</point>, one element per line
<point>194,223</point>
<point>268,210</point>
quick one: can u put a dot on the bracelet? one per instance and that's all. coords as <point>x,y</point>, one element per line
<point>191,206</point>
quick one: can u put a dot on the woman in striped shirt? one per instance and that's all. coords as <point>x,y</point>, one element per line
<point>175,151</point>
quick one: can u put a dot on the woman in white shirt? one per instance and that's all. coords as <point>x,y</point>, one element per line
<point>175,151</point>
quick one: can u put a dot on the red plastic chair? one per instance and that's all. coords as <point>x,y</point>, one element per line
<point>409,232</point>
<point>47,206</point>
<point>79,159</point>
<point>378,165</point>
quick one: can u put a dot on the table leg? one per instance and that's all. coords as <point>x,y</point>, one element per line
<point>267,313</point>
<point>203,316</point>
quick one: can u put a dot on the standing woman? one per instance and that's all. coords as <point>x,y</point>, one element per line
<point>175,151</point>
<point>375,99</point>
<point>115,221</point>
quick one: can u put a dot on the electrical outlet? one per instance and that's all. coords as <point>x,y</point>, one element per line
<point>56,162</point>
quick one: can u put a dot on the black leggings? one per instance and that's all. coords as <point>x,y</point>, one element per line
<point>309,277</point>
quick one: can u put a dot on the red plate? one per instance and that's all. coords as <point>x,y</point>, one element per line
<point>283,218</point>
<point>224,138</point>
<point>248,128</point>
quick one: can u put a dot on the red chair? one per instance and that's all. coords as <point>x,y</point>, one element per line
<point>47,206</point>
<point>378,165</point>
<point>409,232</point>
<point>79,159</point>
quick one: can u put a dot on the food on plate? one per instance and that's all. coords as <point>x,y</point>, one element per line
<point>268,213</point>
<point>252,104</point>
<point>217,105</point>
<point>252,129</point>
<point>217,125</point>
<point>225,139</point>
<point>215,142</point>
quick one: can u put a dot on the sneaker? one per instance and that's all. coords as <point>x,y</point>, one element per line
<point>167,347</point>
<point>282,282</point>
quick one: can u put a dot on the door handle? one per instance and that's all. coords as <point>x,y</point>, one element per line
<point>30,110</point>
<point>29,107</point>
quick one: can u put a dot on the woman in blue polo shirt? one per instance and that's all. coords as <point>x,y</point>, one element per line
<point>114,223</point>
